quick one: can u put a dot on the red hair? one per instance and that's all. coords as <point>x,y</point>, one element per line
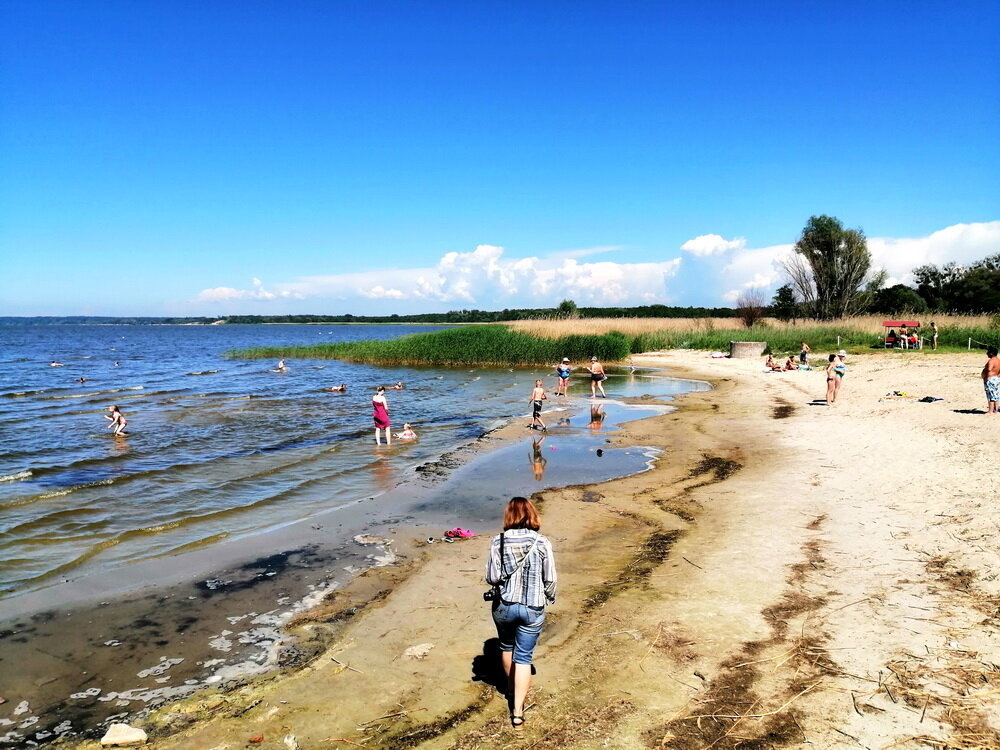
<point>521,513</point>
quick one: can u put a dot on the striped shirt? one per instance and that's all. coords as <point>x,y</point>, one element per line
<point>534,583</point>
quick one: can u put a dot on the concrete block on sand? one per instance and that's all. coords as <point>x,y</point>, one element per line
<point>123,734</point>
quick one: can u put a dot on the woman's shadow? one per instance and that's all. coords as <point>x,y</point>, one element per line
<point>487,667</point>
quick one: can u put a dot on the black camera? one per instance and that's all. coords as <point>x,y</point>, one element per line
<point>490,595</point>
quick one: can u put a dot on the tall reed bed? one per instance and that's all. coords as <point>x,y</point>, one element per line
<point>486,345</point>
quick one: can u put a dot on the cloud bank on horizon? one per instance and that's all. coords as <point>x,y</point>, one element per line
<point>487,279</point>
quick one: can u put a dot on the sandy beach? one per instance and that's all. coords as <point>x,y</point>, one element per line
<point>787,574</point>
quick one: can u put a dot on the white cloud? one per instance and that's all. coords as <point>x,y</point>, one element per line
<point>482,277</point>
<point>961,243</point>
<point>761,268</point>
<point>712,244</point>
<point>228,293</point>
<point>380,292</point>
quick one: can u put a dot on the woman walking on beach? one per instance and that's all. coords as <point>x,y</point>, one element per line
<point>597,378</point>
<point>380,412</point>
<point>522,570</point>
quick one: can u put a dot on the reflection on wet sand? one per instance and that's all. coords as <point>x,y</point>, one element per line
<point>538,460</point>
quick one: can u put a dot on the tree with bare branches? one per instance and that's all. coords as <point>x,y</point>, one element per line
<point>751,306</point>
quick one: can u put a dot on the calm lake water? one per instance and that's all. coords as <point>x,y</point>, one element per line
<point>216,448</point>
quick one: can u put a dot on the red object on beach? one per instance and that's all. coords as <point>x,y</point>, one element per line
<point>901,324</point>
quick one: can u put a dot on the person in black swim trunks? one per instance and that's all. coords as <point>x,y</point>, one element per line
<point>537,396</point>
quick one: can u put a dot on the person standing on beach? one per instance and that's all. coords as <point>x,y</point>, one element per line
<point>934,335</point>
<point>804,354</point>
<point>538,395</point>
<point>522,569</point>
<point>832,379</point>
<point>380,413</point>
<point>991,380</point>
<point>117,419</point>
<point>597,378</point>
<point>563,370</point>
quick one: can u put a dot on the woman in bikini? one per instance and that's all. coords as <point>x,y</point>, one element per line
<point>380,413</point>
<point>597,378</point>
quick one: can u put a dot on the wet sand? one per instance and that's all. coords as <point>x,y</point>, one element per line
<point>92,650</point>
<point>787,574</point>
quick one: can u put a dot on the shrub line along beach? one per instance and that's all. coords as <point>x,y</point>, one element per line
<point>783,574</point>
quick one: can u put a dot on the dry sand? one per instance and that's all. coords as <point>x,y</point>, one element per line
<point>788,574</point>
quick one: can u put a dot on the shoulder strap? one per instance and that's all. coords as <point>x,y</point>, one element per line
<point>504,579</point>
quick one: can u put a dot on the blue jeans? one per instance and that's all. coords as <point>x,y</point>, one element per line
<point>518,628</point>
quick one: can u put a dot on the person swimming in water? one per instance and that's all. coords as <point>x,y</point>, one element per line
<point>407,433</point>
<point>280,367</point>
<point>117,419</point>
<point>57,364</point>
<point>399,386</point>
<point>338,388</point>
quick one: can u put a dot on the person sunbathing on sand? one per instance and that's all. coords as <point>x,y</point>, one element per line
<point>770,364</point>
<point>790,363</point>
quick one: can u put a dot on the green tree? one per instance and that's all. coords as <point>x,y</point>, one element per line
<point>898,299</point>
<point>831,270</point>
<point>783,306</point>
<point>567,309</point>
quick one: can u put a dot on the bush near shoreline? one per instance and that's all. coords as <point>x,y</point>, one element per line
<point>544,343</point>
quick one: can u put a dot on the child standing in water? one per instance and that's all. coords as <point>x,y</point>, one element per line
<point>537,396</point>
<point>117,419</point>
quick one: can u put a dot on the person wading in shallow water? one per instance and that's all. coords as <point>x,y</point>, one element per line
<point>522,570</point>
<point>597,378</point>
<point>380,413</point>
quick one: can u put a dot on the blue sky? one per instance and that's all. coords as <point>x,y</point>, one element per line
<point>210,158</point>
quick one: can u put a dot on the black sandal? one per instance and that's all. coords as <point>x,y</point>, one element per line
<point>517,722</point>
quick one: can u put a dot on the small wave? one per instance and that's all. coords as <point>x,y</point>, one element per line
<point>17,476</point>
<point>22,394</point>
<point>204,372</point>
<point>101,393</point>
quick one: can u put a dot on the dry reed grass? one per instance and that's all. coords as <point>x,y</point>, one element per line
<point>636,326</point>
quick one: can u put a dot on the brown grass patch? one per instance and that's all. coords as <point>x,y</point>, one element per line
<point>635,326</point>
